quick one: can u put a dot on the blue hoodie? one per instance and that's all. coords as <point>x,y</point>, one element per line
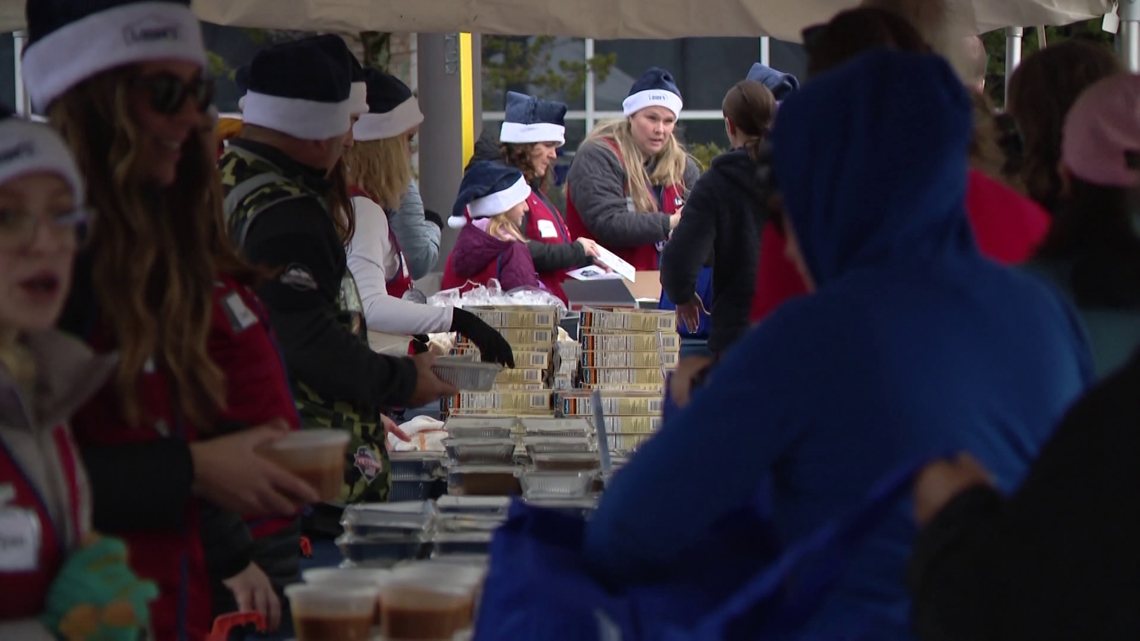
<point>912,345</point>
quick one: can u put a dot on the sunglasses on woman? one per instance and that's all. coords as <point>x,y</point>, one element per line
<point>168,92</point>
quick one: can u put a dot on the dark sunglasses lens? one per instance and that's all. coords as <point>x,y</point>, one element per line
<point>169,93</point>
<point>166,93</point>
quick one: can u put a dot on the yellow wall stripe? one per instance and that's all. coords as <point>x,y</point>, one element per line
<point>467,96</point>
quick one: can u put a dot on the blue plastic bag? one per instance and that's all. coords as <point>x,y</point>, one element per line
<point>705,291</point>
<point>538,587</point>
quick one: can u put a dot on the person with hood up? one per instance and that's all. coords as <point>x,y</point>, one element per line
<point>912,345</point>
<point>1092,254</point>
<point>724,216</point>
<point>489,211</point>
<point>631,177</point>
<point>379,168</point>
<point>1007,226</point>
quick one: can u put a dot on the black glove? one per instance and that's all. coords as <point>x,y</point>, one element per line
<point>492,346</point>
<point>433,217</point>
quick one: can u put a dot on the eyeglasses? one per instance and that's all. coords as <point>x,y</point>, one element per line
<point>18,228</point>
<point>168,92</point>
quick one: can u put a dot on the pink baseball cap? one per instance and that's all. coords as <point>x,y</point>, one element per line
<point>1101,142</point>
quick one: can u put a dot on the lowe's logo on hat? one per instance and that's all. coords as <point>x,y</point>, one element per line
<point>20,150</point>
<point>151,29</point>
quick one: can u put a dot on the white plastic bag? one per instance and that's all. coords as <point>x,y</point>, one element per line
<point>493,294</point>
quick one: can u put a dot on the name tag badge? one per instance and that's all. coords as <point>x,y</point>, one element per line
<point>20,539</point>
<point>546,229</point>
<point>241,317</point>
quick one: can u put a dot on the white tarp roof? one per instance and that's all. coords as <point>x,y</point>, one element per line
<point>601,19</point>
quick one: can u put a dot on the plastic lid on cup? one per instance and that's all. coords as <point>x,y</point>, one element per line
<point>355,576</point>
<point>333,598</point>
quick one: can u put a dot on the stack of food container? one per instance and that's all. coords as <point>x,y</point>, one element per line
<point>381,534</point>
<point>561,463</point>
<point>481,456</point>
<point>416,476</point>
<point>463,532</point>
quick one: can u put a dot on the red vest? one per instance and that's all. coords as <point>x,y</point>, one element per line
<point>451,281</point>
<point>242,344</point>
<point>553,232</point>
<point>642,257</point>
<point>173,559</point>
<point>401,282</point>
<point>22,593</point>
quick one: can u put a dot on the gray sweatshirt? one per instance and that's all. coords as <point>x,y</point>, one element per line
<point>418,236</point>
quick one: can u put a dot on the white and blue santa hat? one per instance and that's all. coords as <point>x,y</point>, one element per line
<point>301,88</point>
<point>529,119</point>
<point>27,147</point>
<point>781,84</point>
<point>70,41</point>
<point>358,90</point>
<point>392,108</point>
<point>488,189</point>
<point>655,88</point>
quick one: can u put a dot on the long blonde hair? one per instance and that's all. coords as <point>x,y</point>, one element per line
<point>154,249</point>
<point>500,224</point>
<point>382,169</point>
<point>669,168</point>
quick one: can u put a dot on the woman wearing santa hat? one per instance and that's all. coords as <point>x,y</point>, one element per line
<point>629,179</point>
<point>532,132</point>
<point>379,170</point>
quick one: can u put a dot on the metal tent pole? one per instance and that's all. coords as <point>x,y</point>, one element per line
<point>1129,33</point>
<point>1013,38</point>
<point>23,101</point>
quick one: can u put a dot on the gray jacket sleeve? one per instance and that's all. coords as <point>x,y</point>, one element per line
<point>596,184</point>
<point>691,244</point>
<point>418,237</point>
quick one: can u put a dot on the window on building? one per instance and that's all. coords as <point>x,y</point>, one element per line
<point>704,69</point>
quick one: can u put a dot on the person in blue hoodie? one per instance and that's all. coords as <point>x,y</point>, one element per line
<point>911,345</point>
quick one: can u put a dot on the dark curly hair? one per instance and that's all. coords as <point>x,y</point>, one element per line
<point>517,155</point>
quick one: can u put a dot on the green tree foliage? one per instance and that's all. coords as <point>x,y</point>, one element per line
<point>995,47</point>
<point>526,64</point>
<point>704,153</point>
